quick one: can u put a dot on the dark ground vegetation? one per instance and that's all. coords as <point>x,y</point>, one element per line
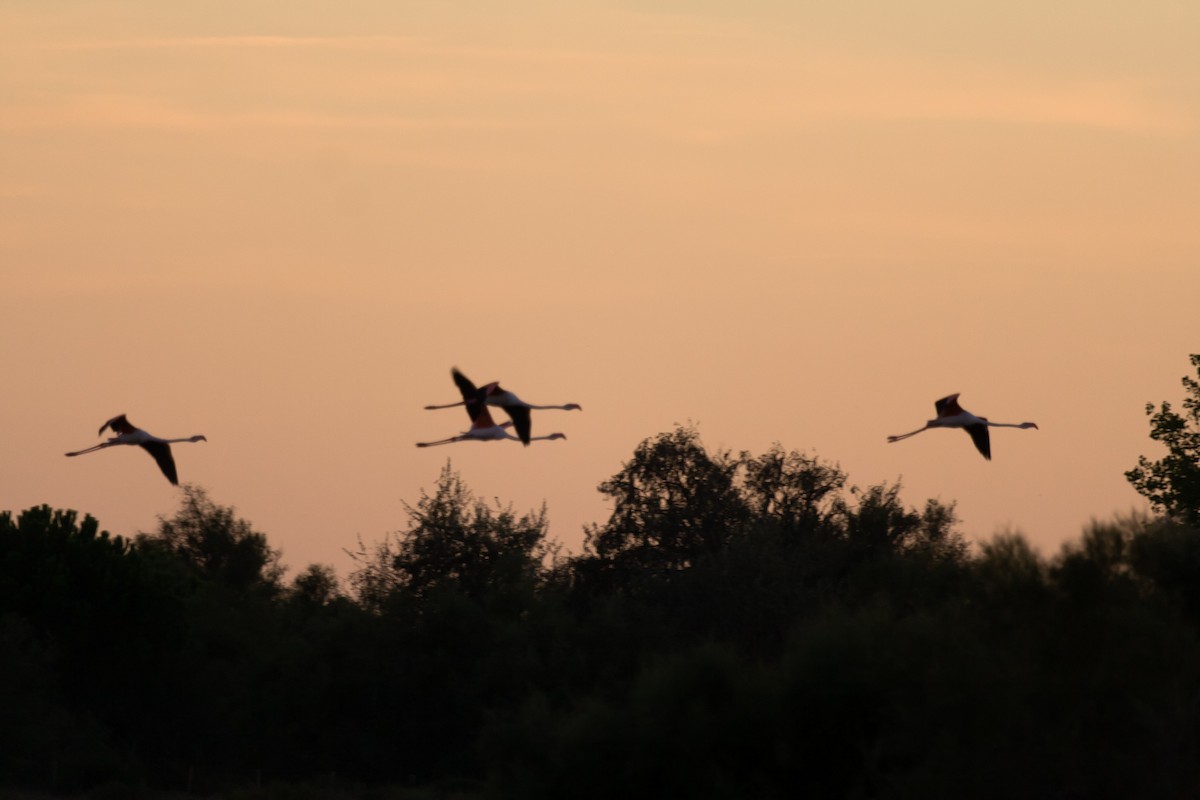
<point>741,626</point>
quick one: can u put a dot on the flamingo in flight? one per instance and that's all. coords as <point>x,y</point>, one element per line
<point>159,448</point>
<point>951,415</point>
<point>485,429</point>
<point>492,395</point>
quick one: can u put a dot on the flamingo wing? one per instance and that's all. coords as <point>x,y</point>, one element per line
<point>979,435</point>
<point>166,462</point>
<point>118,424</point>
<point>473,398</point>
<point>948,406</point>
<point>522,421</point>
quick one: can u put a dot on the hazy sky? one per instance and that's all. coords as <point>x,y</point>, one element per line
<point>280,225</point>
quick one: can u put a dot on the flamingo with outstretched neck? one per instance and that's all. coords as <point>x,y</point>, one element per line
<point>155,446</point>
<point>951,415</point>
<point>491,394</point>
<point>485,429</point>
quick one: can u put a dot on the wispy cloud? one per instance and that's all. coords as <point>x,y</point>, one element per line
<point>832,88</point>
<point>115,111</point>
<point>424,45</point>
<point>685,91</point>
<point>237,41</point>
<point>900,89</point>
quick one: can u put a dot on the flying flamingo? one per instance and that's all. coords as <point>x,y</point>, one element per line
<point>159,448</point>
<point>951,415</point>
<point>484,429</point>
<point>491,394</point>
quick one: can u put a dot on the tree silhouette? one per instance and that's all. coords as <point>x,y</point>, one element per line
<point>453,541</point>
<point>741,626</point>
<point>672,503</point>
<point>217,544</point>
<point>793,490</point>
<point>101,619</point>
<point>1172,483</point>
<point>316,586</point>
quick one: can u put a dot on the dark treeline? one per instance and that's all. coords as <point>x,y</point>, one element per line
<point>741,626</point>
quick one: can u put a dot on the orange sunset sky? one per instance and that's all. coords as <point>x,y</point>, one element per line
<point>280,224</point>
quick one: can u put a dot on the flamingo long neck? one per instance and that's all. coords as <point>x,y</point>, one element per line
<point>565,407</point>
<point>1010,424</point>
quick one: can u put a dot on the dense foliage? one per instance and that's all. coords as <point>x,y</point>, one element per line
<point>1172,483</point>
<point>740,626</point>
